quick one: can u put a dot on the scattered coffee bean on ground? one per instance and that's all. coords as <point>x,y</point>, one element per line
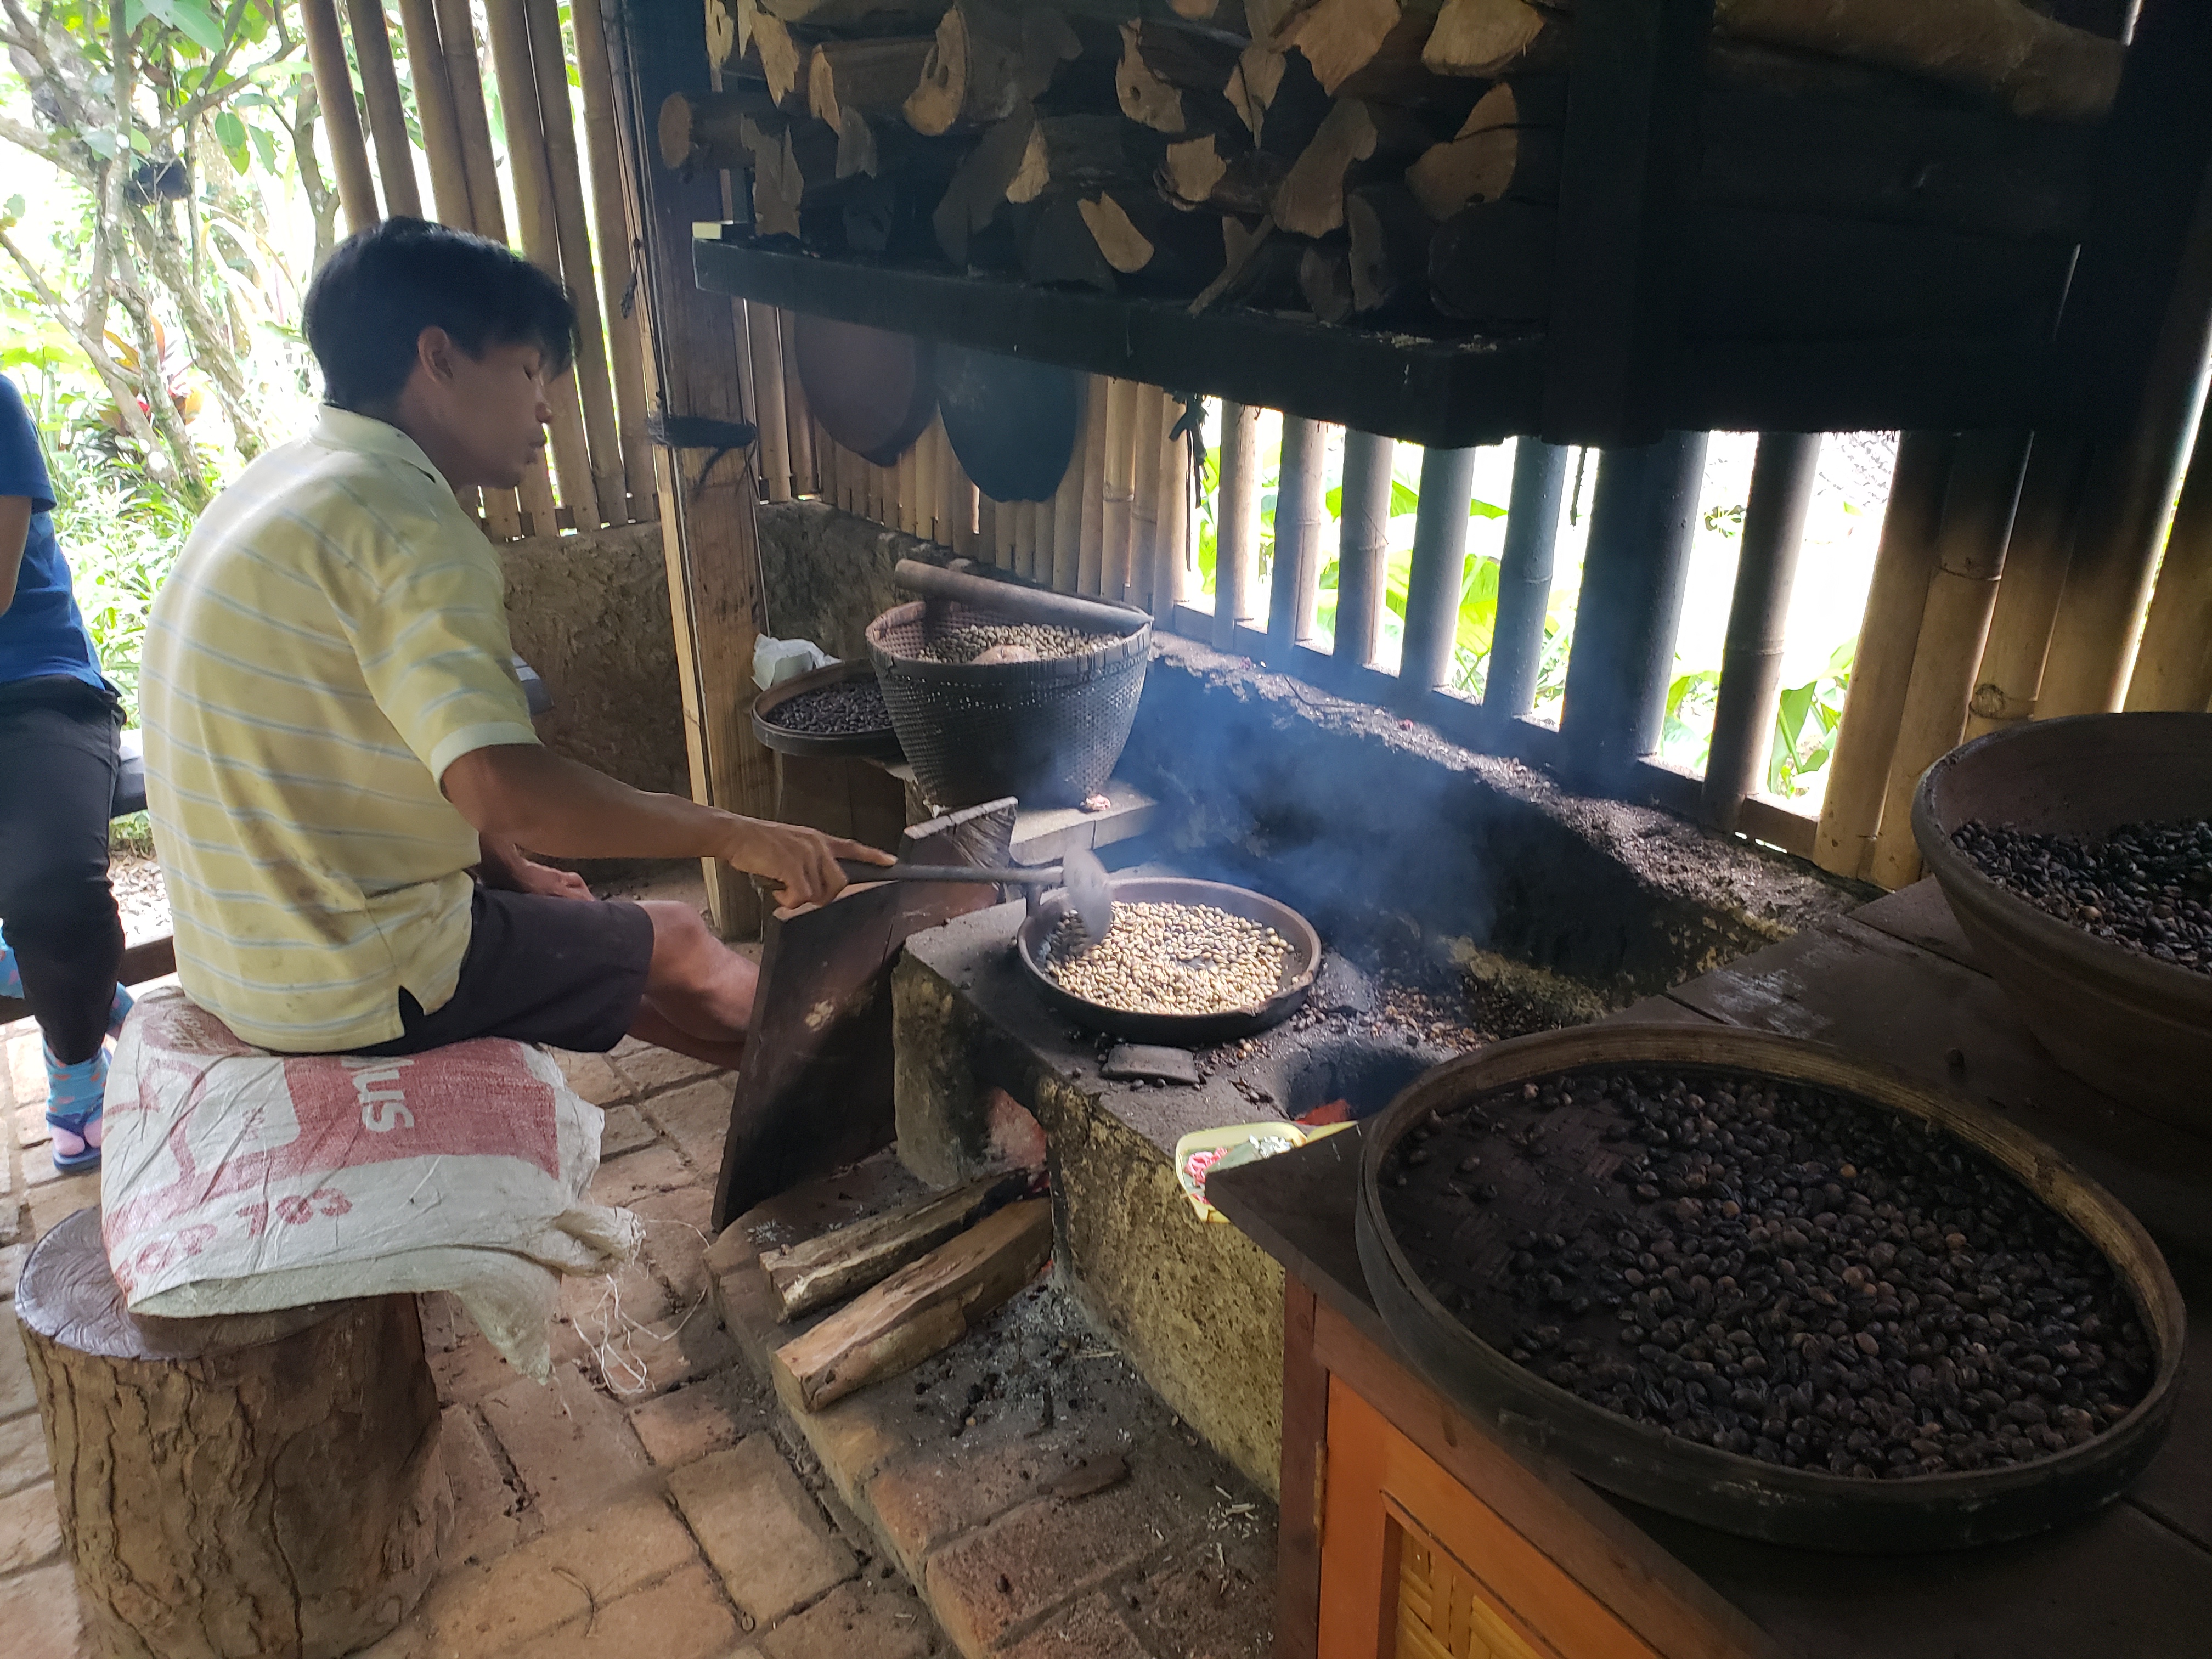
<point>1011,642</point>
<point>2147,886</point>
<point>846,710</point>
<point>1780,1271</point>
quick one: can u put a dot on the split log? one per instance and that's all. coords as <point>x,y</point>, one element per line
<point>1310,202</point>
<point>1081,151</point>
<point>195,1463</point>
<point>1487,166</point>
<point>1390,238</point>
<point>873,77</point>
<point>1058,247</point>
<point>1277,97</point>
<point>921,1310</point>
<point>1486,37</point>
<point>1492,263</point>
<point>707,129</point>
<point>1325,279</point>
<point>1343,39</point>
<point>782,55</point>
<point>984,61</point>
<point>1209,172</point>
<point>1168,77</point>
<point>1161,248</point>
<point>978,190</point>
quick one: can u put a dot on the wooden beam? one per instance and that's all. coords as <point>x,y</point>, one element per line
<point>920,1310</point>
<point>1524,576</point>
<point>326,55</point>
<point>617,268</point>
<point>387,116</point>
<point>1236,525</point>
<point>706,516</point>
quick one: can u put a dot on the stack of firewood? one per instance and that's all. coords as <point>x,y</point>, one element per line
<point>1392,161</point>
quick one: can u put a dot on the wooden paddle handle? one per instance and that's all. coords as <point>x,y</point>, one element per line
<point>1012,599</point>
<point>1043,876</point>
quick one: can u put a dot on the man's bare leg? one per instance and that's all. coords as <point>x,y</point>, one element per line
<point>698,992</point>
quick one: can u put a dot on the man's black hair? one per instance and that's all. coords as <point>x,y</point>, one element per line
<point>381,288</point>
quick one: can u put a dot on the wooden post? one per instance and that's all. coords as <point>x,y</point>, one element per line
<point>2173,670</point>
<point>259,1483</point>
<point>1042,512</point>
<point>532,175</point>
<point>572,230</point>
<point>1524,576</point>
<point>1642,519</point>
<point>1859,775</point>
<point>963,501</point>
<point>326,56</point>
<point>1362,550</point>
<point>616,243</point>
<point>1171,572</point>
<point>1236,525</point>
<point>1751,656</point>
<point>1432,587</point>
<point>387,116</point>
<point>2011,675</point>
<point>433,109</point>
<point>707,525</point>
<point>1116,520</point>
<point>798,424</point>
<point>1300,516</point>
<point>1954,623</point>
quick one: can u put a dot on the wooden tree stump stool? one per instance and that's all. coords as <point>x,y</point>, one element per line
<point>265,1484</point>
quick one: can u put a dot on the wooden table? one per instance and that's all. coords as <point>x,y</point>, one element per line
<point>1391,1497</point>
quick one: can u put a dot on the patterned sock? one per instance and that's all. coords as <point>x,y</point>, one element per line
<point>73,1094</point>
<point>119,1011</point>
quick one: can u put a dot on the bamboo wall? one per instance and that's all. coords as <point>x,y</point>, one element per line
<point>601,471</point>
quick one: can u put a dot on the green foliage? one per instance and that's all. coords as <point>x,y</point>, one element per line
<point>1805,726</point>
<point>120,537</point>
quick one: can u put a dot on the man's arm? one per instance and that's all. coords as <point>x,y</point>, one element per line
<point>507,867</point>
<point>15,534</point>
<point>519,793</point>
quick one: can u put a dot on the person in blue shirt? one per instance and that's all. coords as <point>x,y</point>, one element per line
<point>61,941</point>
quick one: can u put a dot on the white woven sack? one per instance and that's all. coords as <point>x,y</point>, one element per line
<point>237,1181</point>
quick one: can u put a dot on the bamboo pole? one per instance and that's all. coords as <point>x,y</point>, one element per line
<point>617,252</point>
<point>771,413</point>
<point>1025,539</point>
<point>1300,515</point>
<point>908,475</point>
<point>2011,675</point>
<point>1171,582</point>
<point>928,479</point>
<point>963,501</point>
<point>797,421</point>
<point>1236,525</point>
<point>1751,655</point>
<point>1954,623</point>
<point>1432,587</point>
<point>433,110</point>
<point>387,116</point>
<point>531,171</point>
<point>1859,775</point>
<point>1144,494</point>
<point>457,38</point>
<point>1067,511</point>
<point>549,61</point>
<point>1117,523</point>
<point>1090,562</point>
<point>1362,550</point>
<point>986,531</point>
<point>2174,669</point>
<point>1525,571</point>
<point>326,58</point>
<point>1047,553</point>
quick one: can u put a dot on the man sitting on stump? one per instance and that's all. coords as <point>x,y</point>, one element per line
<point>340,765</point>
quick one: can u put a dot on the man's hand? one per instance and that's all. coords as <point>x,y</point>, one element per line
<point>801,861</point>
<point>507,867</point>
<point>548,883</point>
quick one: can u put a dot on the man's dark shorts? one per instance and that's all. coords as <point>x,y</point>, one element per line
<point>566,972</point>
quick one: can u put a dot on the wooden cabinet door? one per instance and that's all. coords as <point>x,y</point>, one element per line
<point>1415,1566</point>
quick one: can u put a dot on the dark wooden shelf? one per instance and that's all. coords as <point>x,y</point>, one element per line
<point>1449,392</point>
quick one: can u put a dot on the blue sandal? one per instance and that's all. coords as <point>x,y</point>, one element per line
<point>76,1096</point>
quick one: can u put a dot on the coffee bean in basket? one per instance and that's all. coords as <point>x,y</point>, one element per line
<point>847,709</point>
<point>1774,1270</point>
<point>2146,886</point>
<point>996,642</point>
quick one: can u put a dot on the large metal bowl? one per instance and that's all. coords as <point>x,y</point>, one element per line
<point>1746,1495</point>
<point>1180,1031</point>
<point>2137,1028</point>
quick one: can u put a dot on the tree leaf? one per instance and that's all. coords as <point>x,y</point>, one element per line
<point>1404,499</point>
<point>230,133</point>
<point>1481,509</point>
<point>264,146</point>
<point>191,18</point>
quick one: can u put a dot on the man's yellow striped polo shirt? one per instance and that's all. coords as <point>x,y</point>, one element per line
<point>334,636</point>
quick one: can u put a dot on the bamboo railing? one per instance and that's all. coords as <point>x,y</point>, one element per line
<point>602,470</point>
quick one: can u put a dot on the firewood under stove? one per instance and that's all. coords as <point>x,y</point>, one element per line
<point>1399,161</point>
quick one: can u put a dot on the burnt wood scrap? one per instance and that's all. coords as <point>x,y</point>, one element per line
<point>1400,162</point>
